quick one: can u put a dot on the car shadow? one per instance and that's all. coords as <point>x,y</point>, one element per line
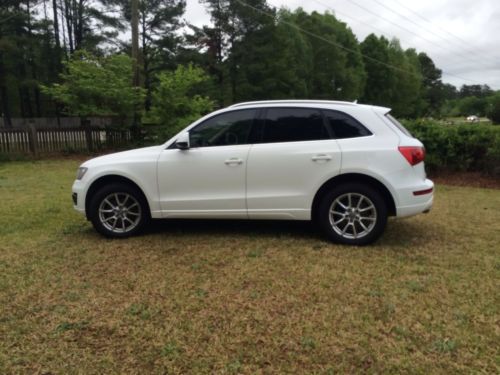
<point>398,233</point>
<point>268,228</point>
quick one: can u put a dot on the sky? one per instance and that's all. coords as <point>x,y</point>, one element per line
<point>461,36</point>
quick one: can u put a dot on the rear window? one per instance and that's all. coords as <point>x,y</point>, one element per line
<point>344,126</point>
<point>398,125</point>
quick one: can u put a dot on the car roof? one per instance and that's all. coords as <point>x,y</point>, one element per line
<point>332,104</point>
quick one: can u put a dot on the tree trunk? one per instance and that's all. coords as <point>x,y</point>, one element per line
<point>145,61</point>
<point>135,59</point>
<point>135,42</point>
<point>56,25</point>
<point>69,24</point>
<point>4,95</point>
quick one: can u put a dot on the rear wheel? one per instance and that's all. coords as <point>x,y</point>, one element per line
<point>118,210</point>
<point>353,214</point>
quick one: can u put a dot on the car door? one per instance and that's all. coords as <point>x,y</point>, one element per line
<point>208,179</point>
<point>295,156</point>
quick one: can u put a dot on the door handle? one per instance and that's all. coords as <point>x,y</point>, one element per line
<point>321,157</point>
<point>233,161</point>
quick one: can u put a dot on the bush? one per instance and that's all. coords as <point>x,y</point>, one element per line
<point>465,147</point>
<point>493,111</point>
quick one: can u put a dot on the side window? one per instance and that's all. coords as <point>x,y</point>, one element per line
<point>344,126</point>
<point>293,125</point>
<point>227,129</point>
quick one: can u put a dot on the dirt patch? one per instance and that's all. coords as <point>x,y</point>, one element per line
<point>470,179</point>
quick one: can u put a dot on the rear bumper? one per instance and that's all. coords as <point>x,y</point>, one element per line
<point>413,204</point>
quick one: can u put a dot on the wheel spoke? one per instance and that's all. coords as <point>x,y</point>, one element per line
<point>339,221</point>
<point>359,202</point>
<point>365,228</point>
<point>108,203</point>
<point>114,223</point>
<point>367,218</point>
<point>366,209</point>
<point>336,212</point>
<point>342,205</point>
<point>354,230</point>
<point>117,200</point>
<point>130,221</point>
<point>349,199</point>
<point>105,211</point>
<point>109,218</point>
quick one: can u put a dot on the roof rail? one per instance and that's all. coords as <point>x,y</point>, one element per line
<point>291,101</point>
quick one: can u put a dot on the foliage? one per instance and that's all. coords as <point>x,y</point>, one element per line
<point>399,88</point>
<point>175,101</point>
<point>251,51</point>
<point>94,85</point>
<point>493,109</point>
<point>464,147</point>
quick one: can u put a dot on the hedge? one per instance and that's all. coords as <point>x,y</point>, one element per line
<point>463,147</point>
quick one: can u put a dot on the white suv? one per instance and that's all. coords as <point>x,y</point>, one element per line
<point>344,165</point>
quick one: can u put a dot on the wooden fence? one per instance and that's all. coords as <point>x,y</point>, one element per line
<point>53,140</point>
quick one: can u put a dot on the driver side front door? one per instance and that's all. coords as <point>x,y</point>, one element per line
<point>209,178</point>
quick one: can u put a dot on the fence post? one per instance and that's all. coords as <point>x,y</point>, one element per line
<point>33,139</point>
<point>88,133</point>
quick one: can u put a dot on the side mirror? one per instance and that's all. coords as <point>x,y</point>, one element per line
<point>182,141</point>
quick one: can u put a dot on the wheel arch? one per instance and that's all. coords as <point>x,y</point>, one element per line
<point>354,177</point>
<point>111,179</point>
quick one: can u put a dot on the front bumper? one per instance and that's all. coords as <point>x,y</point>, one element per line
<point>78,196</point>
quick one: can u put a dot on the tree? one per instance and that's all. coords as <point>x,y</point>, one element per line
<point>158,22</point>
<point>432,85</point>
<point>337,73</point>
<point>380,81</point>
<point>232,22</point>
<point>479,91</point>
<point>175,103</point>
<point>97,86</point>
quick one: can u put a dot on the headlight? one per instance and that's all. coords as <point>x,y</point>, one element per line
<point>81,172</point>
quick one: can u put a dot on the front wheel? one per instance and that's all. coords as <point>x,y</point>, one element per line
<point>118,210</point>
<point>353,214</point>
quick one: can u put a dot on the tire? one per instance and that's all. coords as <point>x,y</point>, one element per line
<point>118,211</point>
<point>360,222</point>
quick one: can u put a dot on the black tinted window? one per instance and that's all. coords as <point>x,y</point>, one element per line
<point>292,125</point>
<point>344,126</point>
<point>232,128</point>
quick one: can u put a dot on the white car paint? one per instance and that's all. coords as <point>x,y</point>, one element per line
<point>265,181</point>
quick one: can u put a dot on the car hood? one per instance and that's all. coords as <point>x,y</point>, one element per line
<point>144,153</point>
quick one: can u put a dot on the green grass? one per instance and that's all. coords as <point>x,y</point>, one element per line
<point>243,297</point>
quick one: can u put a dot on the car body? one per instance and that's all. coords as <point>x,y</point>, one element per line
<point>472,118</point>
<point>266,160</point>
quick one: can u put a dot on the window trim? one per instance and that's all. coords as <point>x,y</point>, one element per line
<point>332,130</point>
<point>262,117</point>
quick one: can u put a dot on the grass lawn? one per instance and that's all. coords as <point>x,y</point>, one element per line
<point>243,297</point>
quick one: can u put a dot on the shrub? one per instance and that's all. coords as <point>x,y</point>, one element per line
<point>464,147</point>
<point>493,111</point>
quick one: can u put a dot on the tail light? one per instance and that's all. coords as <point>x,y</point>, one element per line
<point>414,154</point>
